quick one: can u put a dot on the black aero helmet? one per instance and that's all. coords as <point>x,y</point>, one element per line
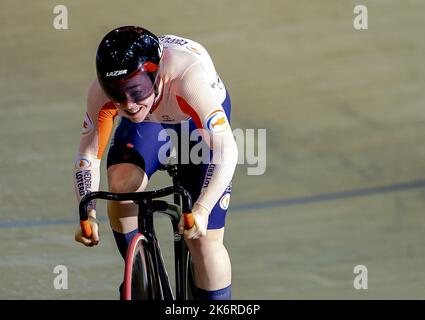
<point>127,62</point>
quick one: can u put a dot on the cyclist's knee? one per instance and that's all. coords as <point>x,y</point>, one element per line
<point>126,177</point>
<point>211,242</point>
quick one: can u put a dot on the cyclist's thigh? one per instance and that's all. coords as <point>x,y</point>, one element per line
<point>136,144</point>
<point>132,159</point>
<point>126,177</point>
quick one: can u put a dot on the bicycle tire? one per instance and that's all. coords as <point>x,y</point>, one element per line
<point>139,282</point>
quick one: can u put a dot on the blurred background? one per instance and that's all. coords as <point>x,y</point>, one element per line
<point>344,113</point>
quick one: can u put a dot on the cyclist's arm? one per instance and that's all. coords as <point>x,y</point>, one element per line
<point>96,131</point>
<point>200,101</point>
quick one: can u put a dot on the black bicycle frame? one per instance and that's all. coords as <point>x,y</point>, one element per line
<point>147,206</point>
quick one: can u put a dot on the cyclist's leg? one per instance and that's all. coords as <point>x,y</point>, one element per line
<point>210,258</point>
<point>131,162</point>
<point>212,266</point>
<point>124,177</point>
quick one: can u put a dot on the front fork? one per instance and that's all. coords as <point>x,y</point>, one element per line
<point>183,280</point>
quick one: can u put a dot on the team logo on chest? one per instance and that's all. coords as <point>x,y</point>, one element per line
<point>217,121</point>
<point>167,118</point>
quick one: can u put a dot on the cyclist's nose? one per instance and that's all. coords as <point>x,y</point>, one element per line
<point>130,105</point>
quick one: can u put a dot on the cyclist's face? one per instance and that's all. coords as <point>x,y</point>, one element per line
<point>136,111</point>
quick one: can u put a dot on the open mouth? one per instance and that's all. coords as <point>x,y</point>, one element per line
<point>133,112</point>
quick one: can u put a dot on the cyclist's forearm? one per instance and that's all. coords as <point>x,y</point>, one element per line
<point>219,173</point>
<point>86,176</point>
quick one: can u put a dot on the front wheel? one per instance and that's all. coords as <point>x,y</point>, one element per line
<point>138,273</point>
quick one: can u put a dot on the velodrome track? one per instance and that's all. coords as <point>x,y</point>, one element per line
<point>344,113</point>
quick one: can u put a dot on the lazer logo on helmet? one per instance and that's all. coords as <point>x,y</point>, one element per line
<point>116,73</point>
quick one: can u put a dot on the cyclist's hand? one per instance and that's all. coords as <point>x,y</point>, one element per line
<point>94,239</point>
<point>200,215</point>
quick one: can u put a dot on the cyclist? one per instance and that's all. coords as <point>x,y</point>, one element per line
<point>153,84</point>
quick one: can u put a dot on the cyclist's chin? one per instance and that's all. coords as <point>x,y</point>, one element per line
<point>137,118</point>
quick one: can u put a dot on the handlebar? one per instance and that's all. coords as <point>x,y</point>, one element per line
<point>135,196</point>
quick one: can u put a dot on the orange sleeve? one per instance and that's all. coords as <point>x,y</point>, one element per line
<point>105,125</point>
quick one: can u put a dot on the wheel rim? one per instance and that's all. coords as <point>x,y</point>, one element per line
<point>136,281</point>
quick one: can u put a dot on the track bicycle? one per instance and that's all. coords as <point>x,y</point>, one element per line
<point>145,275</point>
